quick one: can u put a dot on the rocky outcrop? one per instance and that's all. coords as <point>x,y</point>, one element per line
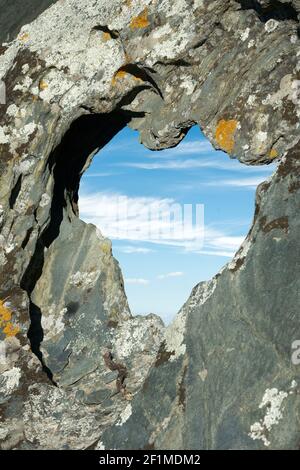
<point>77,370</point>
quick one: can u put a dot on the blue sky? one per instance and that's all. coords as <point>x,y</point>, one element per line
<point>160,271</point>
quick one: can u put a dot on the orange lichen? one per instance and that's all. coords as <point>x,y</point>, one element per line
<point>11,330</point>
<point>273,153</point>
<point>225,134</point>
<point>121,74</point>
<point>5,313</point>
<point>140,21</point>
<point>24,37</point>
<point>43,85</point>
<point>118,75</point>
<point>106,36</point>
<point>8,328</point>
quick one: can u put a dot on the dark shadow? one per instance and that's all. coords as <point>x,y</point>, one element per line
<point>86,135</point>
<point>15,192</point>
<point>275,10</point>
<point>36,335</point>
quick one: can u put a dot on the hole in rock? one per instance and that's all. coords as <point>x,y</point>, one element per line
<point>147,203</point>
<point>273,9</point>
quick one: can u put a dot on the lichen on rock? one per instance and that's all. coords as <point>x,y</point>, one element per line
<point>75,74</point>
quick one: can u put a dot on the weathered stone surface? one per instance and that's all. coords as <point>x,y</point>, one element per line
<point>74,363</point>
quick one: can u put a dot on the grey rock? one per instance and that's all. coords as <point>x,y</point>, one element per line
<point>221,375</point>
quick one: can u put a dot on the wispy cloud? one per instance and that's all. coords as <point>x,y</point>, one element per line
<point>217,163</point>
<point>121,217</point>
<point>147,219</point>
<point>250,183</point>
<point>172,274</point>
<point>140,281</point>
<point>134,249</point>
<point>96,175</point>
<point>196,147</point>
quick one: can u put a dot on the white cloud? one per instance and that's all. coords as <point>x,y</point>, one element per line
<point>216,162</point>
<point>139,281</point>
<point>134,249</point>
<point>174,165</point>
<point>251,182</point>
<point>146,219</point>
<point>188,148</point>
<point>172,274</point>
<point>227,254</point>
<point>226,242</point>
<point>96,175</point>
<point>183,148</point>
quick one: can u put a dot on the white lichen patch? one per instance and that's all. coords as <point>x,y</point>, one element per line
<point>175,333</point>
<point>137,335</point>
<point>7,243</point>
<point>23,167</point>
<point>85,280</point>
<point>272,401</point>
<point>289,89</point>
<point>293,385</point>
<point>251,100</point>
<point>189,85</point>
<point>271,25</point>
<point>203,374</point>
<point>25,68</point>
<point>125,415</point>
<point>241,255</point>
<point>174,336</point>
<point>9,380</point>
<point>245,34</point>
<point>45,200</point>
<point>100,446</point>
<point>12,110</point>
<point>24,85</point>
<point>260,142</point>
<point>4,137</point>
<point>203,292</point>
<point>52,324</point>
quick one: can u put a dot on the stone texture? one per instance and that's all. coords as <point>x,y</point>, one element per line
<point>221,375</point>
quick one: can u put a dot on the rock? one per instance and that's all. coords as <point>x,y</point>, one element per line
<point>221,375</point>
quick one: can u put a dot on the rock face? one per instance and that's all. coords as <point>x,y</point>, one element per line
<point>77,370</point>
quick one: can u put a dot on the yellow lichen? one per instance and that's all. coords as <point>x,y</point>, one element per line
<point>106,36</point>
<point>8,328</point>
<point>106,248</point>
<point>140,21</point>
<point>273,153</point>
<point>24,37</point>
<point>118,75</point>
<point>5,313</point>
<point>225,132</point>
<point>128,3</point>
<point>11,330</point>
<point>122,74</point>
<point>43,85</point>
